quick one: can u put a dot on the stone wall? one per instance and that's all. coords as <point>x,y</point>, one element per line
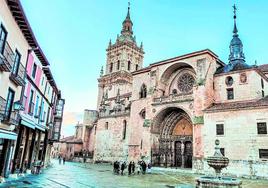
<point>109,144</point>
<point>240,141</point>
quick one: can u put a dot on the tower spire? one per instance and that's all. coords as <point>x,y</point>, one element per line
<point>235,31</point>
<point>128,8</point>
<point>127,23</point>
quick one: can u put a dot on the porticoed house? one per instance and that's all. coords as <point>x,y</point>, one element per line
<point>31,107</point>
<point>171,112</point>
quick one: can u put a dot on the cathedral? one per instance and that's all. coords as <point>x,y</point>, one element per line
<point>171,112</point>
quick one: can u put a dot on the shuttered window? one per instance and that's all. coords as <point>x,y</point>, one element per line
<point>262,128</point>
<point>219,129</point>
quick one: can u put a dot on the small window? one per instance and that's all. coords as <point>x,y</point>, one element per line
<point>111,67</point>
<point>222,151</point>
<point>124,129</point>
<point>263,153</point>
<point>262,84</point>
<point>141,145</point>
<point>229,81</point>
<point>262,128</point>
<point>230,93</point>
<point>3,37</point>
<point>118,65</point>
<point>16,62</point>
<point>31,105</point>
<point>174,91</point>
<point>128,65</point>
<point>34,70</point>
<point>143,113</point>
<point>42,80</point>
<point>262,93</point>
<point>137,67</point>
<point>219,129</point>
<point>143,91</point>
<point>106,125</point>
<point>9,103</point>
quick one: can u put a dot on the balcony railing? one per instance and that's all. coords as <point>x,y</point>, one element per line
<point>8,118</point>
<point>173,98</point>
<point>18,77</point>
<point>6,58</point>
<point>112,113</point>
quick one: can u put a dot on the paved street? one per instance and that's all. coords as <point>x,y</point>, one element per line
<point>79,175</point>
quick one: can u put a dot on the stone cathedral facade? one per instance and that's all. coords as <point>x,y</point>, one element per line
<point>171,112</point>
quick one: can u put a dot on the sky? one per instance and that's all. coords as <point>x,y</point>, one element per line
<point>74,35</point>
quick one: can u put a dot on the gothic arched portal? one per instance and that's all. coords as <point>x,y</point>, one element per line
<point>174,146</point>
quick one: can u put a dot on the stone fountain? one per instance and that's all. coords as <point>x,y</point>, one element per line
<point>217,162</point>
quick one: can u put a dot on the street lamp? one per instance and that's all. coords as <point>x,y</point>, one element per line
<point>18,106</point>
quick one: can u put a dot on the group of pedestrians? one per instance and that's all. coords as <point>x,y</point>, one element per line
<point>141,167</point>
<point>61,159</point>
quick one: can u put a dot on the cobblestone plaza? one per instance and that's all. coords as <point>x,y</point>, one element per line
<point>101,175</point>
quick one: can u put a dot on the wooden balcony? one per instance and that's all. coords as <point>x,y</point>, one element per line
<point>11,118</point>
<point>6,58</point>
<point>18,77</point>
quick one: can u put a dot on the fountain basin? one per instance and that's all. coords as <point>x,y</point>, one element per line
<point>217,182</point>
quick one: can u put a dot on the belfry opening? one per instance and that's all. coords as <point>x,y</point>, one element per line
<point>172,143</point>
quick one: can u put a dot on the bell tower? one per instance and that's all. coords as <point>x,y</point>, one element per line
<point>124,54</point>
<point>123,57</point>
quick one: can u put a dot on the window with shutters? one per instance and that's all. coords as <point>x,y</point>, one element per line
<point>230,93</point>
<point>262,128</point>
<point>219,129</point>
<point>263,153</point>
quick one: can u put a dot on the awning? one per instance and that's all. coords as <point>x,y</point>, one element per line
<point>8,135</point>
<point>28,123</point>
<point>40,127</point>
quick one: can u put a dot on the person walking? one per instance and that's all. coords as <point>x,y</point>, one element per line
<point>59,159</point>
<point>143,165</point>
<point>138,167</point>
<point>123,165</point>
<point>133,167</point>
<point>149,168</point>
<point>64,160</point>
<point>129,168</point>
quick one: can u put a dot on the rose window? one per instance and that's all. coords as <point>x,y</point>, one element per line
<point>185,83</point>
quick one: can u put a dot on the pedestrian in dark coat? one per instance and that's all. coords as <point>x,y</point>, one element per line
<point>133,167</point>
<point>123,165</point>
<point>63,160</point>
<point>143,167</point>
<point>129,168</point>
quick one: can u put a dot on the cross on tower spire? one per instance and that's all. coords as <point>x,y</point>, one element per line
<point>235,28</point>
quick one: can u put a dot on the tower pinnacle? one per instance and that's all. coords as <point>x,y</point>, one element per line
<point>235,28</point>
<point>236,47</point>
<point>127,23</point>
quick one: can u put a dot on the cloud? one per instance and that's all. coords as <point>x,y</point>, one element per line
<point>72,118</point>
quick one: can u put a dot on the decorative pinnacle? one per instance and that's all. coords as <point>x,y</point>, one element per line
<point>235,28</point>
<point>101,71</point>
<point>128,8</point>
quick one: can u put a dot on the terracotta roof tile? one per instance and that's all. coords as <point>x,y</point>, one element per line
<point>263,68</point>
<point>238,105</point>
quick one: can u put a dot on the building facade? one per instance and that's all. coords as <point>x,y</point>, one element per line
<point>30,100</point>
<point>171,112</point>
<point>80,146</point>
